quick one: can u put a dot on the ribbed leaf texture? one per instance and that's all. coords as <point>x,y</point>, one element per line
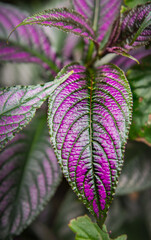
<point>27,44</point>
<point>89,117</point>
<point>29,175</point>
<point>65,19</point>
<point>18,106</point>
<point>101,13</point>
<point>135,30</point>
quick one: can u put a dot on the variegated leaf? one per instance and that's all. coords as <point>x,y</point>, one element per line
<point>101,13</point>
<point>29,175</point>
<point>89,118</point>
<point>18,106</point>
<point>27,44</point>
<point>135,29</point>
<point>65,19</point>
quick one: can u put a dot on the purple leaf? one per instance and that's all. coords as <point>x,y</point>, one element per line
<point>126,63</point>
<point>28,44</point>
<point>18,106</point>
<point>102,13</point>
<point>89,118</point>
<point>65,19</point>
<point>135,29</point>
<point>29,175</point>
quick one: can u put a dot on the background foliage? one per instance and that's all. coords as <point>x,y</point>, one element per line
<point>130,210</point>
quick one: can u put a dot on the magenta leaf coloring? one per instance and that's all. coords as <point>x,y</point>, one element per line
<point>27,44</point>
<point>18,106</point>
<point>65,19</point>
<point>135,29</point>
<point>29,175</point>
<point>101,13</point>
<point>89,118</point>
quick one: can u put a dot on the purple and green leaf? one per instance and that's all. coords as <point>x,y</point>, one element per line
<point>27,44</point>
<point>89,118</point>
<point>126,63</point>
<point>18,106</point>
<point>135,29</point>
<point>65,19</point>
<point>29,176</point>
<point>101,13</point>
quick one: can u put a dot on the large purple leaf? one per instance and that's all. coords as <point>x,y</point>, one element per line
<point>101,13</point>
<point>89,118</point>
<point>27,44</point>
<point>135,29</point>
<point>29,175</point>
<point>18,106</point>
<point>65,19</point>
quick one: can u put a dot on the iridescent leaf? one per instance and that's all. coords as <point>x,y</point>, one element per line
<point>27,44</point>
<point>135,27</point>
<point>29,175</point>
<point>89,117</point>
<point>65,19</point>
<point>101,13</point>
<point>18,106</point>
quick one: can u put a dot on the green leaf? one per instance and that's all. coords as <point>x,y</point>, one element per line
<point>85,229</point>
<point>19,104</point>
<point>136,170</point>
<point>29,176</point>
<point>140,81</point>
<point>133,3</point>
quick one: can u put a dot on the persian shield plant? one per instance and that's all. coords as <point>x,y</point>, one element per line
<point>89,109</point>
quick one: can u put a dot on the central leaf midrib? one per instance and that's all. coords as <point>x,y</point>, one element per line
<point>31,145</point>
<point>91,82</point>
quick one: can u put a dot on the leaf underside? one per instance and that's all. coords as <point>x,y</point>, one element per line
<point>27,43</point>
<point>29,175</point>
<point>135,27</point>
<point>89,117</point>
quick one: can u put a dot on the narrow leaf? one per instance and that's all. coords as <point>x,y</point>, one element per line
<point>89,117</point>
<point>122,52</point>
<point>29,175</point>
<point>135,27</point>
<point>65,19</point>
<point>18,106</point>
<point>126,63</point>
<point>136,170</point>
<point>28,43</point>
<point>101,13</point>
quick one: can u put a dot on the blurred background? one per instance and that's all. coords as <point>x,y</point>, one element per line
<point>130,212</point>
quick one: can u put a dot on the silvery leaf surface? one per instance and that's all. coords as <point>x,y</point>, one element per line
<point>89,118</point>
